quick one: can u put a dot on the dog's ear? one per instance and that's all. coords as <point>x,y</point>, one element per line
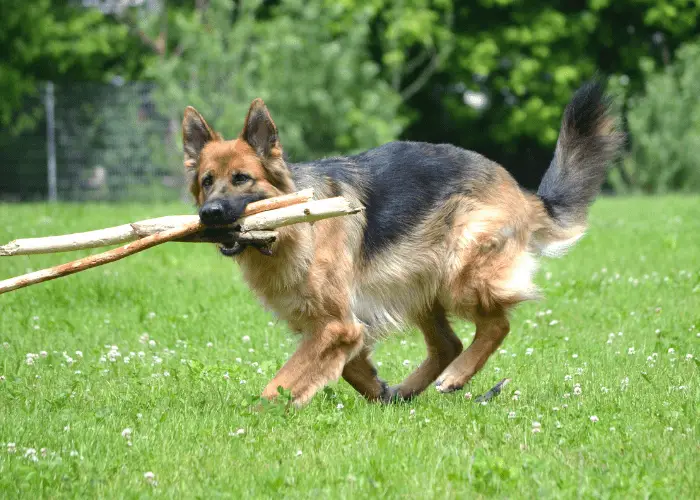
<point>259,130</point>
<point>196,132</point>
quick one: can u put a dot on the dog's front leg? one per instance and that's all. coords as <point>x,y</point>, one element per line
<point>319,359</point>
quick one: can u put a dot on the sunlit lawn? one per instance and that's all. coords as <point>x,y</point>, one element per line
<point>147,366</point>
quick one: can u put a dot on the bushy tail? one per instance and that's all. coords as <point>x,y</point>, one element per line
<point>587,143</point>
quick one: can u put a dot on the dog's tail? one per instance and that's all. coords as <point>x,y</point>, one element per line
<point>588,142</point>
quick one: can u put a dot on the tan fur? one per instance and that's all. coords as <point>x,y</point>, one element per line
<point>474,257</point>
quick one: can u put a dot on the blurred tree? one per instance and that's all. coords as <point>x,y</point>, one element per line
<point>516,64</point>
<point>410,40</point>
<point>323,90</point>
<point>61,41</point>
<point>664,125</point>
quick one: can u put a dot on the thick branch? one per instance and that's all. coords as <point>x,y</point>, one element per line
<point>130,232</point>
<point>305,212</point>
<point>99,259</point>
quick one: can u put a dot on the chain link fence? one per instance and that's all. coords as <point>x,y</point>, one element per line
<point>92,141</point>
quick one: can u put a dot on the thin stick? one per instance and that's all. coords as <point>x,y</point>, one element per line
<point>97,260</point>
<point>229,237</point>
<point>133,231</point>
<point>305,212</point>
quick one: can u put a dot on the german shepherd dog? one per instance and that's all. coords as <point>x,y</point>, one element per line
<point>445,231</point>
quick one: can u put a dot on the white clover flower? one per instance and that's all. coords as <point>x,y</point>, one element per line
<point>567,378</point>
<point>79,354</point>
<point>43,354</point>
<point>593,418</point>
<point>226,376</point>
<point>468,395</point>
<point>340,406</point>
<point>671,350</point>
<point>575,356</point>
<point>299,453</point>
<point>152,343</point>
<point>150,477</point>
<point>529,351</point>
<point>688,357</point>
<point>246,338</point>
<point>166,373</point>
<point>11,447</point>
<point>210,344</point>
<point>511,415</point>
<point>630,350</point>
<point>126,433</point>
<point>406,362</point>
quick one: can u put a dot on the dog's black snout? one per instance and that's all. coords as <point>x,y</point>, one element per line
<point>213,213</point>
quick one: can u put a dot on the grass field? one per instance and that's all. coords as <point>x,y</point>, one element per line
<point>144,370</point>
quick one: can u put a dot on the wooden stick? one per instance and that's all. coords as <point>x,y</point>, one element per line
<point>228,237</point>
<point>305,212</point>
<point>133,231</point>
<point>97,260</point>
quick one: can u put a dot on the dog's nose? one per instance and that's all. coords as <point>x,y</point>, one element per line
<point>212,213</point>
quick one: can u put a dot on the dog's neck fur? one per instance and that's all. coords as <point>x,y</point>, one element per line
<point>274,278</point>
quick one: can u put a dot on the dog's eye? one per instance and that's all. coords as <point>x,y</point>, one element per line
<point>207,181</point>
<point>240,178</point>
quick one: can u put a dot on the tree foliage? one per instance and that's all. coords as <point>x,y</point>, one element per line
<point>664,125</point>
<point>53,40</point>
<point>324,91</point>
<point>527,58</point>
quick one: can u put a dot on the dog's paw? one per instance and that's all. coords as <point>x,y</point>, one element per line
<point>449,382</point>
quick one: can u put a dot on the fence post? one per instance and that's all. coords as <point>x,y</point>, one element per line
<point>49,103</point>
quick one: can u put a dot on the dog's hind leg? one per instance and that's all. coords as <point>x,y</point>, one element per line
<point>443,347</point>
<point>361,374</point>
<point>490,331</point>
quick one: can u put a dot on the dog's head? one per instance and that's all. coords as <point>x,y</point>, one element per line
<point>226,175</point>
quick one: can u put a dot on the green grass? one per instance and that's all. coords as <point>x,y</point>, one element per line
<point>636,273</point>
